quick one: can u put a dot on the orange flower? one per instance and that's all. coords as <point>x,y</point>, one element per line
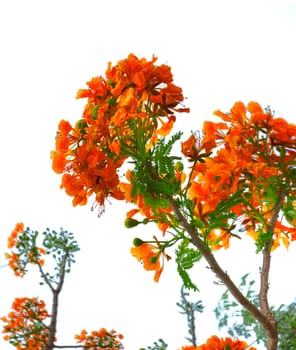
<point>237,116</point>
<point>244,154</point>
<point>58,161</point>
<point>100,339</point>
<point>19,228</point>
<point>218,238</point>
<point>150,256</point>
<point>216,343</point>
<point>24,324</point>
<point>196,148</point>
<point>134,89</point>
<point>166,127</point>
<point>189,147</point>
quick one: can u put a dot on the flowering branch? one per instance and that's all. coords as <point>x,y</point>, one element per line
<point>239,166</point>
<point>218,271</point>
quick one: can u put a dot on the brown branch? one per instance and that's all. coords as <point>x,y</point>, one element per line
<point>272,333</point>
<point>192,325</point>
<point>215,267</point>
<point>44,277</point>
<point>55,303</point>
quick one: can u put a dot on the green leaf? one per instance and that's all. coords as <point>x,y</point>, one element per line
<point>229,203</point>
<point>185,259</point>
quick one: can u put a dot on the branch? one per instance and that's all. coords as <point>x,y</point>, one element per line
<point>263,300</point>
<point>215,267</point>
<point>45,278</point>
<point>55,303</point>
<point>189,310</point>
<point>192,325</point>
<point>62,272</point>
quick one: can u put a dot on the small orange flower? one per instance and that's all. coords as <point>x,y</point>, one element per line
<point>150,256</point>
<point>189,148</point>
<point>19,228</point>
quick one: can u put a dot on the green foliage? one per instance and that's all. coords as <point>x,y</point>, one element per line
<point>27,249</point>
<point>157,345</point>
<point>189,309</point>
<point>61,246</point>
<point>286,318</point>
<point>240,323</point>
<point>263,238</point>
<point>163,163</point>
<point>153,175</point>
<point>185,259</point>
<point>288,209</point>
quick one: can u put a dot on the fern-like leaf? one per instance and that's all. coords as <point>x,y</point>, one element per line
<point>185,259</point>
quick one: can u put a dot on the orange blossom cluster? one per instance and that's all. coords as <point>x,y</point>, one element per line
<point>90,153</point>
<point>101,339</point>
<point>216,343</point>
<point>251,151</point>
<point>24,324</point>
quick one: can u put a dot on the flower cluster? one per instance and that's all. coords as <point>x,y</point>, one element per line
<point>152,256</point>
<point>216,343</point>
<point>248,163</point>
<point>101,339</point>
<point>24,325</point>
<point>23,250</point>
<point>136,95</point>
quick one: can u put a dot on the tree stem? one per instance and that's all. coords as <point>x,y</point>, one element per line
<point>272,332</point>
<point>259,315</point>
<point>52,329</point>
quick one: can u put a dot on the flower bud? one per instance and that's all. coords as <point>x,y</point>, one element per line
<point>179,166</point>
<point>137,242</point>
<point>81,125</point>
<point>130,222</point>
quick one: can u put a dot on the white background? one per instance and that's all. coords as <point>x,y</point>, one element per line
<point>220,52</point>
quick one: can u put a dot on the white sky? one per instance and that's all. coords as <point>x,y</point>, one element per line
<point>220,52</point>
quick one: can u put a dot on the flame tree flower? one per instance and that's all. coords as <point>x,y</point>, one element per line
<point>125,111</point>
<point>25,328</point>
<point>216,343</point>
<point>24,325</point>
<point>241,173</point>
<point>152,256</point>
<point>241,179</point>
<point>252,160</point>
<point>101,339</point>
